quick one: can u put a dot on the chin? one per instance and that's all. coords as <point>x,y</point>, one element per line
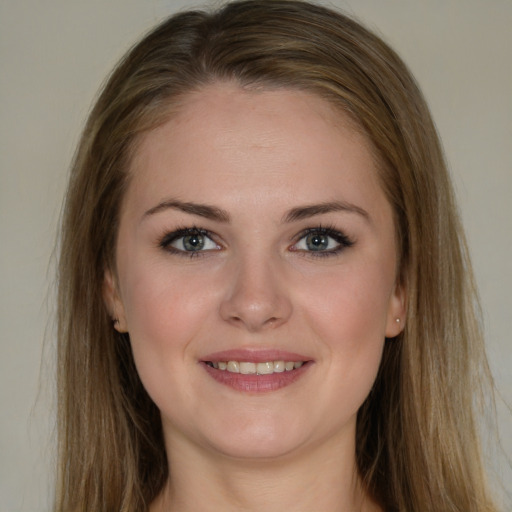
<point>257,449</point>
<point>256,441</point>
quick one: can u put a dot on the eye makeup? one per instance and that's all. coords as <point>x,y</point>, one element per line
<point>189,242</point>
<point>321,242</point>
<point>194,241</point>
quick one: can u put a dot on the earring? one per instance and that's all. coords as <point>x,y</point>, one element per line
<point>397,320</point>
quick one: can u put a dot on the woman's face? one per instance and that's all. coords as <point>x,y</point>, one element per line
<point>254,235</point>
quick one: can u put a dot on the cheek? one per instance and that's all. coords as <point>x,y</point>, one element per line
<point>351,304</point>
<point>159,301</point>
<point>164,313</point>
<point>354,351</point>
<point>347,312</point>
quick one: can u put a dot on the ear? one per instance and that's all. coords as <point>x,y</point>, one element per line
<point>113,302</point>
<point>396,312</point>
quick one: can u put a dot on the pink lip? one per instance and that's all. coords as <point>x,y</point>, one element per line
<point>256,383</point>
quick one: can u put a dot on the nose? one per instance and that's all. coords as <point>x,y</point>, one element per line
<point>257,297</point>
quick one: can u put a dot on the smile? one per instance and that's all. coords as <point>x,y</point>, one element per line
<point>256,372</point>
<point>251,368</point>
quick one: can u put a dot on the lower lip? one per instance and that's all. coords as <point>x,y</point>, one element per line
<point>257,383</point>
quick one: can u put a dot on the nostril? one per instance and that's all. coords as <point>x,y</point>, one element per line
<point>256,301</point>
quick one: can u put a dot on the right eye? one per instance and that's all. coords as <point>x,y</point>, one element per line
<point>189,240</point>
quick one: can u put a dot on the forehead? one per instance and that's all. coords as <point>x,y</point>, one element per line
<point>229,106</point>
<point>224,138</point>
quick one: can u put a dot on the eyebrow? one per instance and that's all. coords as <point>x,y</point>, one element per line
<point>304,212</point>
<point>220,215</point>
<point>201,210</point>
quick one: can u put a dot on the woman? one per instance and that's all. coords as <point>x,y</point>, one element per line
<point>266,301</point>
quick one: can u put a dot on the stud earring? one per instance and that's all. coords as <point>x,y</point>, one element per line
<point>398,320</point>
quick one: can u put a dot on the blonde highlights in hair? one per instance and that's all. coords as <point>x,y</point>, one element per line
<point>417,441</point>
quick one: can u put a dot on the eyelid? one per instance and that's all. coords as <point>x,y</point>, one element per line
<point>166,241</point>
<point>341,239</point>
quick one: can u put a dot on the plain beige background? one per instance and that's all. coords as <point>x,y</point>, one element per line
<point>53,57</point>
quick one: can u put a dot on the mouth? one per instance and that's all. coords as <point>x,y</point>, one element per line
<point>256,371</point>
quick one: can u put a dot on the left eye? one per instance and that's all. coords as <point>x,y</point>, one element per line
<point>320,240</point>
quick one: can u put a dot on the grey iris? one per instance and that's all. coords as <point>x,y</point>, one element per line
<point>193,242</point>
<point>317,242</point>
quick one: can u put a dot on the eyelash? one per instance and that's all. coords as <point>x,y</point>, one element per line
<point>343,241</point>
<point>340,238</point>
<point>169,238</point>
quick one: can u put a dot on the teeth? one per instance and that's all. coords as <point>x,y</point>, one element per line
<point>278,366</point>
<point>265,368</point>
<point>248,368</point>
<point>233,367</point>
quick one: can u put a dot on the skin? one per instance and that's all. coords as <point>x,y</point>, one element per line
<point>257,156</point>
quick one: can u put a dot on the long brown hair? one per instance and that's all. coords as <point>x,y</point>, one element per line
<point>417,441</point>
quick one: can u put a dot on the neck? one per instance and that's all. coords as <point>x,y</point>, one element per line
<point>324,478</point>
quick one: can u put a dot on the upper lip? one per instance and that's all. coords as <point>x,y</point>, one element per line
<point>254,356</point>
